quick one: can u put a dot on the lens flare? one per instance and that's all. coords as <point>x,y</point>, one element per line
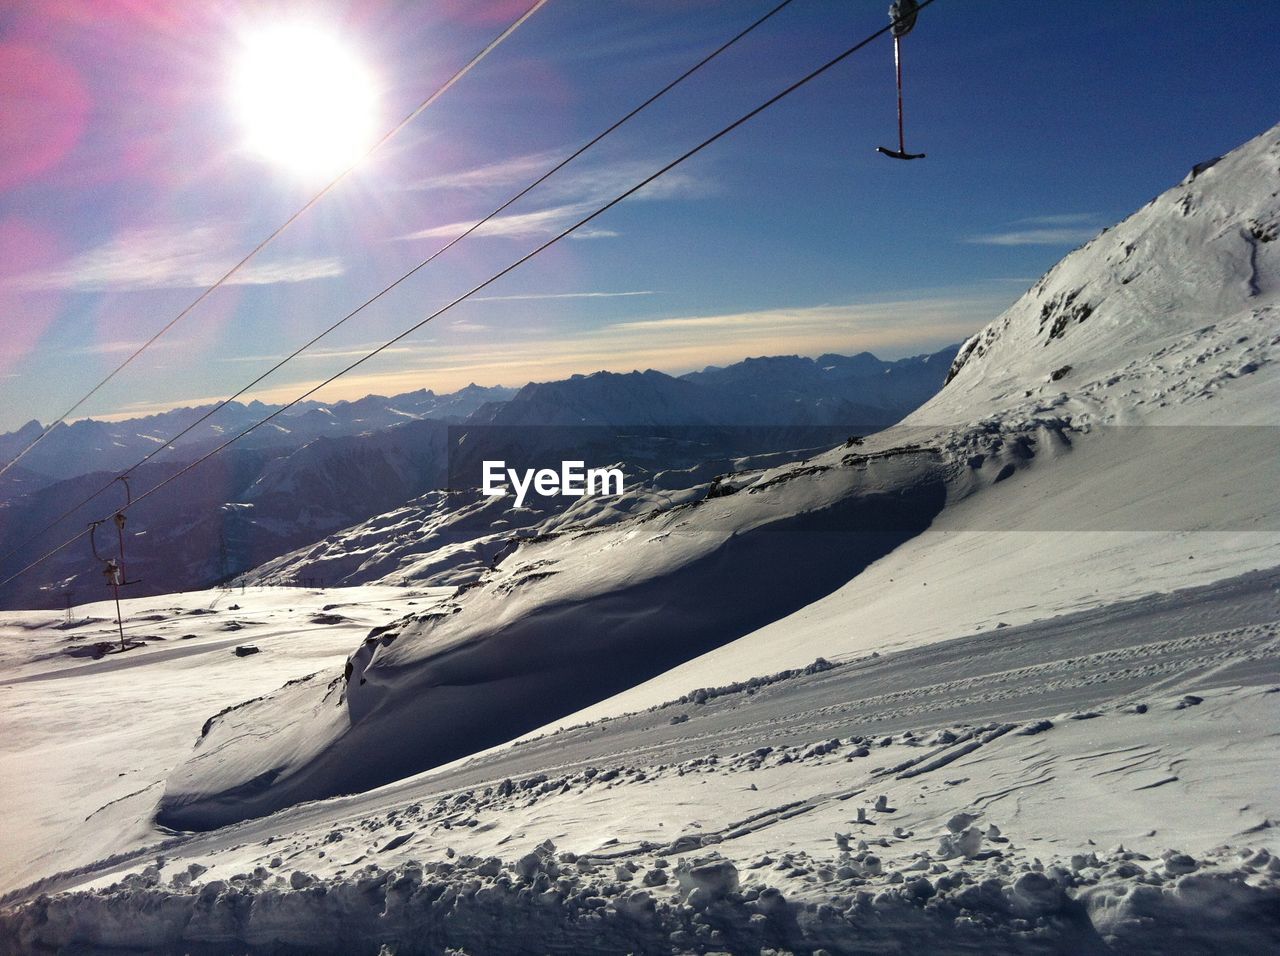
<point>304,99</point>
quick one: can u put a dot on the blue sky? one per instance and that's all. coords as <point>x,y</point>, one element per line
<point>128,186</point>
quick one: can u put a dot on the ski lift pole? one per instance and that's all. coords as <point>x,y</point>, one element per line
<point>111,571</point>
<point>113,568</point>
<point>115,590</point>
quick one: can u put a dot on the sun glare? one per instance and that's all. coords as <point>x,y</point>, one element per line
<point>305,101</point>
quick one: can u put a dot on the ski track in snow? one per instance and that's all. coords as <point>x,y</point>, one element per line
<point>633,802</point>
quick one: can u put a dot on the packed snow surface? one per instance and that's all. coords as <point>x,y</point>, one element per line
<point>1065,786</point>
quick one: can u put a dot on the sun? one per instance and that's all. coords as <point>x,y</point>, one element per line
<point>304,100</point>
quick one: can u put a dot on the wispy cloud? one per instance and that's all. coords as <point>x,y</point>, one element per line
<point>172,259</point>
<point>519,170</point>
<point>891,324</point>
<point>603,182</point>
<point>1057,229</point>
<point>323,354</point>
<point>560,295</point>
<point>109,347</point>
<point>1062,219</point>
<point>574,181</point>
<point>1035,237</point>
<point>569,195</point>
<point>524,225</point>
<point>591,232</point>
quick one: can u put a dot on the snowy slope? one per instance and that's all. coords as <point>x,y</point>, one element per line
<point>1180,328</point>
<point>1166,378</point>
<point>87,730</point>
<point>1182,279</point>
<point>452,537</point>
<point>1065,787</point>
<point>442,537</point>
<point>545,613</point>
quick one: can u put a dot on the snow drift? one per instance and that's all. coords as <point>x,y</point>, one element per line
<point>566,620</point>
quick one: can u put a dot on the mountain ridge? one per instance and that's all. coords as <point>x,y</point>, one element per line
<point>328,468</point>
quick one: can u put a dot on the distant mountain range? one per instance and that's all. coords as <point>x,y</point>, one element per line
<point>788,390</point>
<point>321,468</point>
<point>91,445</point>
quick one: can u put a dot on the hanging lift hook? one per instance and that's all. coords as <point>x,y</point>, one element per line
<point>93,541</point>
<point>903,13</point>
<point>120,522</point>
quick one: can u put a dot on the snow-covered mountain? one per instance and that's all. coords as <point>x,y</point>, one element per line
<point>452,537</point>
<point>323,467</point>
<point>676,433</point>
<point>1155,299</point>
<point>1048,475</point>
<point>242,508</point>
<point>863,384</point>
<point>612,398</point>
<point>850,391</point>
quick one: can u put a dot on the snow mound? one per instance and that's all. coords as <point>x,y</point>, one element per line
<point>541,904</point>
<point>423,872</point>
<point>621,603</point>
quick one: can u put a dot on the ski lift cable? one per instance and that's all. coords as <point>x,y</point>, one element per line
<point>417,111</point>
<point>688,154</point>
<point>213,410</point>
